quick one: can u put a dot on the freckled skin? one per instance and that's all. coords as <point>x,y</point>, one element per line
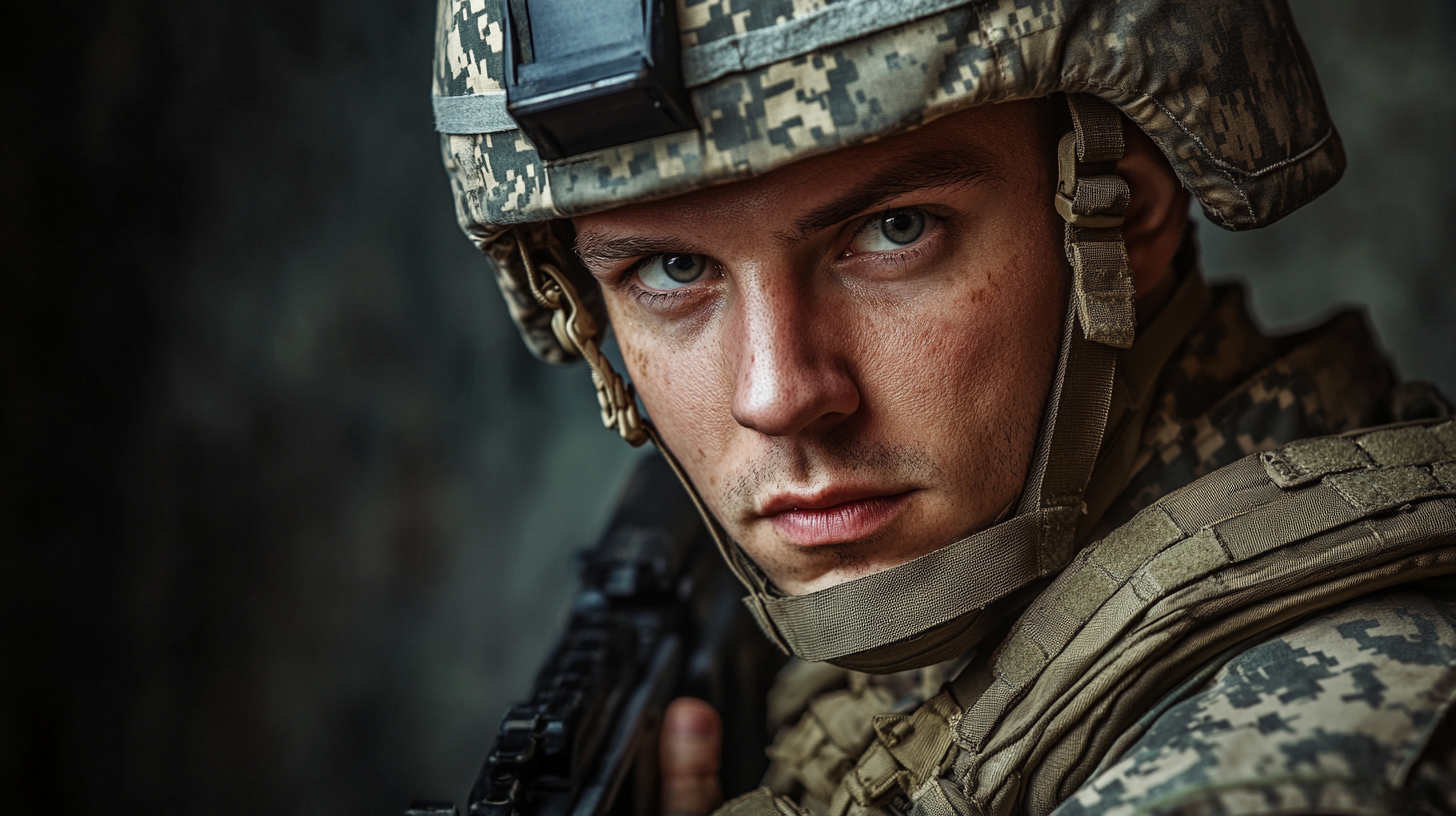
<point>801,365</point>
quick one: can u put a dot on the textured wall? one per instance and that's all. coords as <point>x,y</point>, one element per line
<point>285,508</point>
<point>288,509</point>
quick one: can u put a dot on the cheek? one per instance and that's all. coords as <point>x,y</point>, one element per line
<point>683,387</point>
<point>969,366</point>
<point>950,367</point>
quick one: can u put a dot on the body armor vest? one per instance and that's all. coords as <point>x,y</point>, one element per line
<point>1221,562</point>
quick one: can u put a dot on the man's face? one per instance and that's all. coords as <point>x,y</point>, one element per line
<point>850,354</point>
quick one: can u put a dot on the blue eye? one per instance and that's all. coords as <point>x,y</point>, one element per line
<point>890,231</point>
<point>672,271</point>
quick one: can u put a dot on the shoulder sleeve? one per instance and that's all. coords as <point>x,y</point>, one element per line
<point>1346,712</point>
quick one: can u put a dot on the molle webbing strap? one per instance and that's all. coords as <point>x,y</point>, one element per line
<point>908,750</point>
<point>760,802</point>
<point>1093,207</point>
<point>1269,537</point>
<point>1309,460</point>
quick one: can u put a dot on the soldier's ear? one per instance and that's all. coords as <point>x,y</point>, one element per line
<point>1157,213</point>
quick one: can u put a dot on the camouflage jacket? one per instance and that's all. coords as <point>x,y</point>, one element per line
<point>1344,710</point>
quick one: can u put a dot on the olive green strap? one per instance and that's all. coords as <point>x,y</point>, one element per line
<point>1103,282</point>
<point>1310,460</point>
<point>1093,206</point>
<point>905,753</point>
<point>1071,436</point>
<point>882,608</point>
<point>739,564</point>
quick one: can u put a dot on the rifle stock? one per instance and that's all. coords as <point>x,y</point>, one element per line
<point>656,616</point>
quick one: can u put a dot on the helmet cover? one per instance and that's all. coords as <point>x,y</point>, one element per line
<point>1224,87</point>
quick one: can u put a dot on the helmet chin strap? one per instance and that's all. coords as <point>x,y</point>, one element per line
<point>933,607</point>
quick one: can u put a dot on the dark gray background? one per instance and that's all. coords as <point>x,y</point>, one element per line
<point>285,507</point>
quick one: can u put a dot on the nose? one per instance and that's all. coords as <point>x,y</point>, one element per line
<point>792,372</point>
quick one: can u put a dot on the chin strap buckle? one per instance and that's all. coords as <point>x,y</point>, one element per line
<point>1094,206</point>
<point>1098,200</point>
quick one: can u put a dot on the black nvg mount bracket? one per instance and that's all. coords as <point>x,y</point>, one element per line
<point>583,75</point>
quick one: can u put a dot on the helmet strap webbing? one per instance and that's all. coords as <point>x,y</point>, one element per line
<point>741,566</point>
<point>1093,205</point>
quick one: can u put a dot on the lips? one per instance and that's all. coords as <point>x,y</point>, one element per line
<point>833,517</point>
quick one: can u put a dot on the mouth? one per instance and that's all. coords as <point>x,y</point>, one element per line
<point>833,517</point>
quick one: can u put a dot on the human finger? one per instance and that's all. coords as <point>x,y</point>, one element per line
<point>690,753</point>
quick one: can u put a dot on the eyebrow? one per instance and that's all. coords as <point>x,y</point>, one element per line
<point>923,170</point>
<point>595,247</point>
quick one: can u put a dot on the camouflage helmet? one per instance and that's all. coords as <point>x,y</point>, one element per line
<point>1223,87</point>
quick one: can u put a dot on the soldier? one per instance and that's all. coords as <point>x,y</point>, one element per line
<point>909,292</point>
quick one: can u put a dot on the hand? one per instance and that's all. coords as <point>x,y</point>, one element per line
<point>690,751</point>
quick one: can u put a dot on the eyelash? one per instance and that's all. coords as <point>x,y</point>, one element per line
<point>904,256</point>
<point>908,254</point>
<point>653,297</point>
<point>659,299</point>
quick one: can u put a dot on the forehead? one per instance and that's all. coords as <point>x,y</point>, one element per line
<point>1006,141</point>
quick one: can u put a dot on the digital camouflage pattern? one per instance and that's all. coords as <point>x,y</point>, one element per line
<point>1334,715</point>
<point>1232,391</point>
<point>1226,393</point>
<point>1225,88</point>
<point>1346,712</point>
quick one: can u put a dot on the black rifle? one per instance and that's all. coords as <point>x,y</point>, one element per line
<point>657,616</point>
